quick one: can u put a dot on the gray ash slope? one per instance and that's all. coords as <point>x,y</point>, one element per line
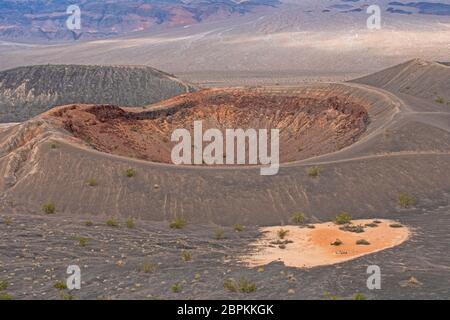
<point>28,91</point>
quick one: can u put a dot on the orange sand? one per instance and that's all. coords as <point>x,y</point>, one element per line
<point>312,247</point>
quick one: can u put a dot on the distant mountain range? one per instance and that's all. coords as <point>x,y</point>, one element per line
<point>46,20</point>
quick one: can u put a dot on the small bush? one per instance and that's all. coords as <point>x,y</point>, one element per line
<point>238,228</point>
<point>282,233</point>
<point>396,225</point>
<point>176,287</point>
<point>329,296</point>
<point>53,145</point>
<point>5,296</point>
<point>439,100</point>
<point>362,242</point>
<point>92,182</point>
<point>343,218</point>
<point>177,223</point>
<point>243,285</point>
<point>298,218</point>
<point>130,172</point>
<point>112,223</point>
<point>352,228</point>
<point>66,296</point>
<point>7,221</point>
<point>82,241</point>
<point>336,242</point>
<point>359,296</point>
<point>148,267</point>
<point>371,225</point>
<point>406,200</point>
<point>186,256</point>
<point>3,285</point>
<point>49,208</point>
<point>129,223</point>
<point>219,234</point>
<point>313,171</point>
<point>60,285</point>
<point>88,223</point>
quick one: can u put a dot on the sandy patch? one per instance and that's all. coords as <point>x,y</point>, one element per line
<point>305,247</point>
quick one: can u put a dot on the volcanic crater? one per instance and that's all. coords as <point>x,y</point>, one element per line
<point>308,125</point>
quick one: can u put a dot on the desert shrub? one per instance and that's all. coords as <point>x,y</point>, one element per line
<point>129,223</point>
<point>336,242</point>
<point>82,241</point>
<point>362,242</point>
<point>130,172</point>
<point>3,285</point>
<point>7,221</point>
<point>219,234</point>
<point>329,296</point>
<point>343,218</point>
<point>49,208</point>
<point>282,233</point>
<point>313,171</point>
<point>112,223</point>
<point>310,226</point>
<point>176,287</point>
<point>177,223</point>
<point>66,296</point>
<point>439,100</point>
<point>92,182</point>
<point>406,200</point>
<point>88,223</point>
<point>148,267</point>
<point>60,285</point>
<point>53,145</point>
<point>186,256</point>
<point>242,285</point>
<point>5,296</point>
<point>238,228</point>
<point>377,221</point>
<point>359,296</point>
<point>371,225</point>
<point>298,217</point>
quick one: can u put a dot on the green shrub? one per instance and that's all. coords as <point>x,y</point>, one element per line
<point>396,225</point>
<point>66,296</point>
<point>49,208</point>
<point>343,218</point>
<point>60,285</point>
<point>148,267</point>
<point>282,233</point>
<point>186,256</point>
<point>129,223</point>
<point>7,221</point>
<point>130,172</point>
<point>406,200</point>
<point>298,218</point>
<point>3,285</point>
<point>439,100</point>
<point>238,228</point>
<point>88,223</point>
<point>177,223</point>
<point>313,171</point>
<point>359,296</point>
<point>5,296</point>
<point>82,241</point>
<point>112,223</point>
<point>219,234</point>
<point>176,287</point>
<point>329,296</point>
<point>92,182</point>
<point>353,228</point>
<point>242,285</point>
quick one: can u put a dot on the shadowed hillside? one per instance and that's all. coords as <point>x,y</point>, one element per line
<point>28,91</point>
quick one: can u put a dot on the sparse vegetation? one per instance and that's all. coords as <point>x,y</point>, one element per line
<point>130,172</point>
<point>406,200</point>
<point>7,221</point>
<point>129,223</point>
<point>362,242</point>
<point>60,285</point>
<point>5,296</point>
<point>112,223</point>
<point>66,296</point>
<point>313,171</point>
<point>242,285</point>
<point>82,241</point>
<point>49,208</point>
<point>92,182</point>
<point>3,285</point>
<point>371,225</point>
<point>298,218</point>
<point>176,287</point>
<point>396,225</point>
<point>359,296</point>
<point>353,228</point>
<point>439,100</point>
<point>186,256</point>
<point>219,234</point>
<point>329,296</point>
<point>336,242</point>
<point>88,223</point>
<point>282,233</point>
<point>148,267</point>
<point>343,218</point>
<point>177,223</point>
<point>53,145</point>
<point>238,228</point>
